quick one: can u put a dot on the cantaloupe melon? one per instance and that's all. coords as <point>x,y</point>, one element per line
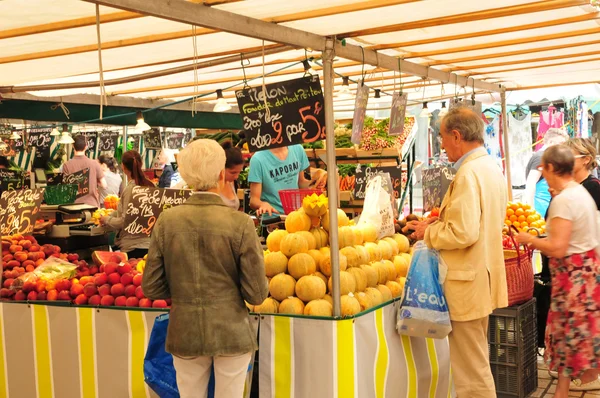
<point>274,239</point>
<point>297,221</point>
<point>349,305</point>
<point>375,296</point>
<point>282,286</point>
<point>403,243</point>
<point>292,306</point>
<point>325,250</point>
<point>318,308</point>
<point>374,251</point>
<point>275,263</point>
<point>351,256</point>
<point>363,254</point>
<point>386,250</point>
<point>310,288</point>
<point>372,275</point>
<point>395,288</point>
<point>401,265</point>
<point>407,257</point>
<point>391,269</point>
<point>364,300</point>
<point>310,239</point>
<point>345,237</point>
<point>293,244</point>
<point>323,277</point>
<point>382,272</point>
<point>301,264</point>
<point>360,278</point>
<point>329,299</point>
<point>315,222</point>
<point>326,264</point>
<point>342,219</point>
<point>358,236</point>
<point>369,232</point>
<point>347,283</point>
<point>401,281</point>
<point>269,306</point>
<point>393,244</point>
<point>321,237</point>
<point>385,292</point>
<point>317,256</point>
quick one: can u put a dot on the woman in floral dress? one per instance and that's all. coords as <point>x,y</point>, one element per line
<point>573,329</point>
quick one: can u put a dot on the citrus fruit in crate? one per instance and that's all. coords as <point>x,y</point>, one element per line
<point>111,202</point>
<point>524,218</point>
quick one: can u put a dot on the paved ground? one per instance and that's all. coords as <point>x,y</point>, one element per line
<point>547,385</point>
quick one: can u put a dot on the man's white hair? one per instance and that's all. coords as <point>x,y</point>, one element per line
<point>201,163</point>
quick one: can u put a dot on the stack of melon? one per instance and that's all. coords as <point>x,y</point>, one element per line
<point>298,266</point>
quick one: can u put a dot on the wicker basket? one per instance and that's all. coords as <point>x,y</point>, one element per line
<point>60,194</point>
<point>519,273</point>
<point>291,199</point>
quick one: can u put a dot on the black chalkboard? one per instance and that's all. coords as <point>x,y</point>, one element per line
<point>108,141</point>
<point>10,180</point>
<point>436,181</point>
<point>54,179</point>
<point>40,139</point>
<point>153,139</point>
<point>134,141</point>
<point>360,110</point>
<point>81,179</point>
<point>13,146</point>
<point>366,173</point>
<point>146,205</point>
<point>175,140</point>
<point>398,113</point>
<point>296,113</point>
<point>19,210</point>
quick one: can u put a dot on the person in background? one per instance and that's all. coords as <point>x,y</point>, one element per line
<point>167,171</point>
<point>585,162</point>
<point>234,165</point>
<point>134,246</point>
<point>209,321</point>
<point>114,180</point>
<point>536,188</point>
<point>4,163</point>
<point>468,235</point>
<point>572,343</point>
<point>274,170</point>
<point>81,162</point>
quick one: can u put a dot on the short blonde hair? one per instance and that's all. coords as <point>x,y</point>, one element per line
<point>583,146</point>
<point>201,163</point>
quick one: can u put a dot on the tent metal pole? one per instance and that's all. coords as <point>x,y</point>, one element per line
<point>332,173</point>
<point>506,143</point>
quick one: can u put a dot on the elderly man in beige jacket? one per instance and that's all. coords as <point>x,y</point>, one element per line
<point>468,235</point>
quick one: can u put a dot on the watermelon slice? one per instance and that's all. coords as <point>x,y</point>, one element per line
<point>101,258</point>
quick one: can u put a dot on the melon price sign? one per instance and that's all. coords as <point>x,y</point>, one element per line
<point>81,179</point>
<point>146,205</point>
<point>360,110</point>
<point>398,113</point>
<point>364,175</point>
<point>10,180</point>
<point>295,113</point>
<point>436,181</point>
<point>108,141</point>
<point>153,139</point>
<point>19,210</point>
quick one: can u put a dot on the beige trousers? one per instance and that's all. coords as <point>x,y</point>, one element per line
<point>193,375</point>
<point>470,360</point>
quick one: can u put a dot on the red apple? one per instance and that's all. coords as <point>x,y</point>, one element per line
<point>121,301</point>
<point>13,264</point>
<point>132,302</point>
<point>127,279</point>
<point>28,287</point>
<point>35,248</point>
<point>42,296</point>
<point>21,256</point>
<point>114,278</point>
<point>20,296</point>
<point>139,293</point>
<point>52,295</point>
<point>25,244</point>
<point>137,279</point>
<point>29,268</point>
<point>32,296</point>
<point>32,256</point>
<point>82,299</point>
<point>64,295</point>
<point>6,293</point>
<point>90,290</point>
<point>101,279</point>
<point>93,270</point>
<point>125,268</point>
<point>104,290</point>
<point>130,290</point>
<point>159,304</point>
<point>95,300</point>
<point>7,257</point>
<point>76,290</point>
<point>15,248</point>
<point>107,301</point>
<point>7,282</point>
<point>40,286</point>
<point>145,303</point>
<point>117,290</point>
<point>109,268</point>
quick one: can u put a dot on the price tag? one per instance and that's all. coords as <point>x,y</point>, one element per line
<point>296,113</point>
<point>146,205</point>
<point>365,174</point>
<point>81,179</point>
<point>108,141</point>
<point>153,139</point>
<point>10,180</point>
<point>175,140</point>
<point>13,146</point>
<point>40,139</point>
<point>436,181</point>
<point>19,211</point>
<point>398,113</point>
<point>360,110</point>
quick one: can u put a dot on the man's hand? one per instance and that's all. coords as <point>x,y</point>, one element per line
<point>266,208</point>
<point>419,227</point>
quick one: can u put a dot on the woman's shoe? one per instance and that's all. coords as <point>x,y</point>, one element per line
<point>576,385</point>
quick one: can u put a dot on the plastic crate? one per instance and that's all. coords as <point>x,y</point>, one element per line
<point>60,194</point>
<point>291,199</point>
<point>513,349</point>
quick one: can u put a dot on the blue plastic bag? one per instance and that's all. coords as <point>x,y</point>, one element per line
<point>423,311</point>
<point>159,372</point>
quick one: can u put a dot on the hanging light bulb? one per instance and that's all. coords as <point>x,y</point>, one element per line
<point>141,125</point>
<point>65,137</point>
<point>221,105</point>
<point>15,135</point>
<point>307,68</point>
<point>344,92</point>
<point>55,132</point>
<point>425,112</point>
<point>444,110</point>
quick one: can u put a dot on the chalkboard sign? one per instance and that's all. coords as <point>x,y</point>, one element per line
<point>153,139</point>
<point>366,173</point>
<point>296,113</point>
<point>92,140</point>
<point>19,210</point>
<point>146,205</point>
<point>108,141</point>
<point>134,141</point>
<point>360,110</point>
<point>466,103</point>
<point>175,140</point>
<point>40,139</point>
<point>13,146</point>
<point>10,180</point>
<point>436,181</point>
<point>54,179</point>
<point>81,179</point>
<point>398,113</point>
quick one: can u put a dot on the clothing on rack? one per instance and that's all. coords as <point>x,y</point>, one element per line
<point>434,125</point>
<point>551,118</point>
<point>520,142</point>
<point>492,139</point>
<point>582,120</point>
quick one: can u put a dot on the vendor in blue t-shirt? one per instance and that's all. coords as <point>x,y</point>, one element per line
<point>274,170</point>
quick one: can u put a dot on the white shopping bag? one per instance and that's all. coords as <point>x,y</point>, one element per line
<point>377,209</point>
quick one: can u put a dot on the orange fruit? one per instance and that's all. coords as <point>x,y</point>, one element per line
<point>510,212</point>
<point>522,218</point>
<point>524,224</point>
<point>514,206</point>
<point>530,219</point>
<point>533,232</point>
<point>519,212</point>
<point>516,224</point>
<point>513,218</point>
<point>507,222</point>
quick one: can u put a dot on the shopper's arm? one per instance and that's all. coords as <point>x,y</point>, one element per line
<point>254,285</point>
<point>154,283</point>
<point>557,244</point>
<point>256,203</point>
<point>302,181</point>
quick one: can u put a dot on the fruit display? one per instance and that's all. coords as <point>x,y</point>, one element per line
<point>42,273</point>
<point>524,219</point>
<point>98,214</point>
<point>298,264</point>
<point>111,202</point>
<point>375,134</point>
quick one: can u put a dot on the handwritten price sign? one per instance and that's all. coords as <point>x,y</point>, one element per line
<point>436,181</point>
<point>13,146</point>
<point>153,139</point>
<point>398,113</point>
<point>10,180</point>
<point>146,205</point>
<point>366,173</point>
<point>296,113</point>
<point>40,139</point>
<point>108,141</point>
<point>360,110</point>
<point>19,210</point>
<point>81,179</point>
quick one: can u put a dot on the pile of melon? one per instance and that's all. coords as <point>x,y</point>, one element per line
<point>298,266</point>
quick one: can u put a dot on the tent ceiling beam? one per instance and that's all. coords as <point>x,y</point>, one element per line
<point>495,72</point>
<point>366,5</point>
<point>552,85</point>
<point>538,6</point>
<point>518,28</point>
<point>196,14</point>
<point>526,61</point>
